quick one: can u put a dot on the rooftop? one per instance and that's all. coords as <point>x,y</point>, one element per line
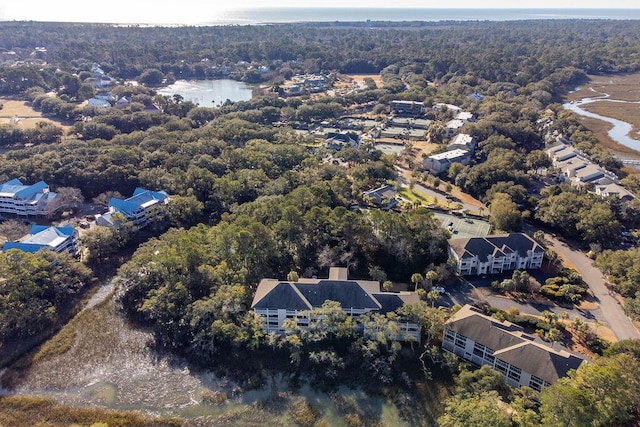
<point>512,345</point>
<point>495,245</point>
<point>42,237</point>
<point>453,154</point>
<point>306,294</point>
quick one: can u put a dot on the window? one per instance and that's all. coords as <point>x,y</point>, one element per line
<point>514,373</point>
<point>502,366</point>
<point>478,350</point>
<point>536,383</point>
<point>461,341</point>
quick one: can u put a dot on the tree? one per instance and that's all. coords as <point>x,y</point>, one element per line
<point>12,229</point>
<point>599,225</point>
<point>377,274</point>
<point>564,405</point>
<point>484,410</point>
<point>103,199</point>
<point>292,276</point>
<point>151,77</point>
<point>37,290</point>
<point>71,85</point>
<point>553,335</point>
<point>100,243</point>
<point>520,280</point>
<point>201,116</point>
<point>436,132</point>
<point>537,159</point>
<point>416,279</point>
<point>433,297</point>
<point>183,211</point>
<point>71,198</point>
<point>505,214</point>
<point>630,347</point>
<point>601,393</point>
<point>86,92</point>
<point>431,276</point>
<point>387,285</point>
<point>454,170</point>
<point>482,380</point>
<point>331,321</point>
<point>538,236</point>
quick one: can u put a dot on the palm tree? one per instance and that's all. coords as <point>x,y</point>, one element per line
<point>416,279</point>
<point>433,297</point>
<point>551,256</point>
<point>431,276</point>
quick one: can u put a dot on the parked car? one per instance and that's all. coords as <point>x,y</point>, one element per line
<point>439,289</point>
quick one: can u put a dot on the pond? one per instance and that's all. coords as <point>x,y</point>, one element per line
<point>209,93</point>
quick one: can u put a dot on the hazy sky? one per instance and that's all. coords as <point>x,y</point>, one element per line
<point>189,11</point>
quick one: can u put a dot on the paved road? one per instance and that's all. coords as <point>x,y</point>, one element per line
<point>466,293</point>
<point>612,312</point>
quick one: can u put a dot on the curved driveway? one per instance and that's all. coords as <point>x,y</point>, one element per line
<point>610,308</point>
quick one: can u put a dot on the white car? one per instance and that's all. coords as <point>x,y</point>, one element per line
<point>439,289</point>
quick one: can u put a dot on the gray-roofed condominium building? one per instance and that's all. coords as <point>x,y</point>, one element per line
<point>522,359</point>
<point>277,301</point>
<point>495,254</point>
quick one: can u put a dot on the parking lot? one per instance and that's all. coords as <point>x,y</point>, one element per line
<point>463,227</point>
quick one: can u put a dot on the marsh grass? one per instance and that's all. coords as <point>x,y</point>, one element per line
<point>59,344</point>
<point>39,411</point>
<point>100,359</point>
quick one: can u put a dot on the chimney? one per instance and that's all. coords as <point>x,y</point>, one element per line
<point>338,273</point>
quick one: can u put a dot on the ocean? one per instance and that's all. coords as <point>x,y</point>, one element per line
<point>288,15</point>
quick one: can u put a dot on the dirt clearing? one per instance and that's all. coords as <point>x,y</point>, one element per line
<point>22,115</point>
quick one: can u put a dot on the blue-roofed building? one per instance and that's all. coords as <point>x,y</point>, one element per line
<point>28,200</point>
<point>277,301</point>
<point>57,239</point>
<point>136,208</point>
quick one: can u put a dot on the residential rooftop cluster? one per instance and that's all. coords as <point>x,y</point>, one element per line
<point>459,149</point>
<point>36,201</point>
<point>577,169</point>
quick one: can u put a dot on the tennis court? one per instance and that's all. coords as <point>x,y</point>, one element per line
<point>463,227</point>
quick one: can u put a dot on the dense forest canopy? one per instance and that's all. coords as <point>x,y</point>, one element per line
<point>250,199</point>
<point>517,52</point>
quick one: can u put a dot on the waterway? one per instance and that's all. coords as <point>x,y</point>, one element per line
<point>621,132</point>
<point>113,364</point>
<point>209,93</point>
